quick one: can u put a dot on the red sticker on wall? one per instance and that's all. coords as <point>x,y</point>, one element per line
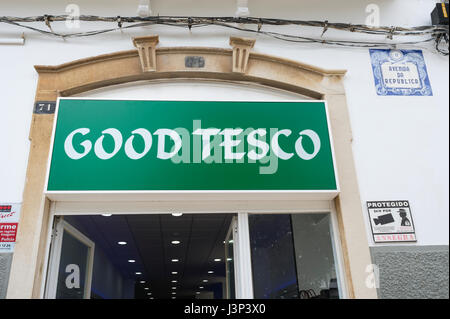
<point>8,232</point>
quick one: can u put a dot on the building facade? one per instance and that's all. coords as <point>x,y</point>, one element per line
<point>362,211</point>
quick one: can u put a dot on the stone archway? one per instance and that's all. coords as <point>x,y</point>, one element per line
<point>148,62</point>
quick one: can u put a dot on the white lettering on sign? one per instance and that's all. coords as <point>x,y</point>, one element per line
<point>129,149</point>
<point>162,133</point>
<point>206,140</point>
<point>8,226</point>
<point>100,151</point>
<point>231,140</point>
<point>400,75</point>
<point>228,143</point>
<point>299,146</point>
<point>68,144</point>
<point>276,147</point>
<point>253,141</point>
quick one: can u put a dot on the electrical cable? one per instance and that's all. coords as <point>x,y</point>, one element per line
<point>439,34</point>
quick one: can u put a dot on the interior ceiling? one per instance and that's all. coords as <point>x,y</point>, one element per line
<point>149,240</point>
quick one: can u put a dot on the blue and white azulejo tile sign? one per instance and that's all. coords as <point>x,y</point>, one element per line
<point>400,72</point>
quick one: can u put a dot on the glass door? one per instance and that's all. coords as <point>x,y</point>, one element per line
<point>71,263</point>
<point>229,261</point>
<point>293,256</point>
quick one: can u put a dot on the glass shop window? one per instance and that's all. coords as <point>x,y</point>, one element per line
<point>292,256</point>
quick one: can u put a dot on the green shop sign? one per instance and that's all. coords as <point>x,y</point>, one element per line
<point>134,146</point>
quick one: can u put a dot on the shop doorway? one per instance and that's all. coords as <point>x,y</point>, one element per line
<point>195,256</point>
<point>158,256</point>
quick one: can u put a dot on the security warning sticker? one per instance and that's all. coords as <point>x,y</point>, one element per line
<point>391,221</point>
<point>9,222</point>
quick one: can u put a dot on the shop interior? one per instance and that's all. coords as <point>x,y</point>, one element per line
<point>191,256</point>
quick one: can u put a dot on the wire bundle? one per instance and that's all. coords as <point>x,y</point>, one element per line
<point>438,34</point>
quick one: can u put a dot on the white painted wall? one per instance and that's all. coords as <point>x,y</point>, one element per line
<point>400,143</point>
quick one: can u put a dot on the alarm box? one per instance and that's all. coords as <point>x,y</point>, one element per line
<point>439,16</point>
